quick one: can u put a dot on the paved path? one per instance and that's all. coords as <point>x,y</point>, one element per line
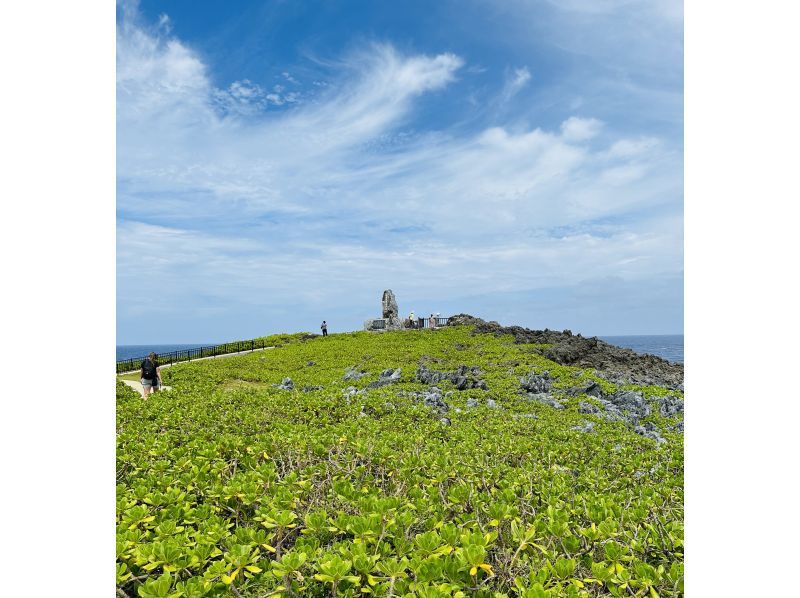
<point>137,386</point>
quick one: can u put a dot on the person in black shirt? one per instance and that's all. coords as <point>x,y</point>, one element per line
<point>151,374</point>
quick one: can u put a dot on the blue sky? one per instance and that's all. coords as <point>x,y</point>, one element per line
<point>280,163</point>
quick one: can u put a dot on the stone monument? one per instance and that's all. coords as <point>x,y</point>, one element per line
<point>390,315</point>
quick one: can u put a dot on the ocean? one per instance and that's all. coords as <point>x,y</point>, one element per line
<point>131,351</point>
<point>668,346</point>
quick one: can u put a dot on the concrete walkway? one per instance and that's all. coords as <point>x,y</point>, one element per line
<point>137,386</point>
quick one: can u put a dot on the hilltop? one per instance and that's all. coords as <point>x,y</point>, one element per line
<point>613,363</point>
<point>473,460</point>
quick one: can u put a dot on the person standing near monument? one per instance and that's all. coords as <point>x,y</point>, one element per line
<point>432,322</point>
<point>324,328</point>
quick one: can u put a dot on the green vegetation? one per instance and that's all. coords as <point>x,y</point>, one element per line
<point>230,486</point>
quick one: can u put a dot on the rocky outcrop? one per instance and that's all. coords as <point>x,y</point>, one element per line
<point>649,430</point>
<point>353,374</point>
<point>286,384</point>
<point>432,398</point>
<point>389,376</point>
<point>588,408</point>
<point>536,383</point>
<point>593,389</point>
<point>464,378</point>
<point>616,364</point>
<point>669,406</point>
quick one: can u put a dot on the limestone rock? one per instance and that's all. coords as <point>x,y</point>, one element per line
<point>286,384</point>
<point>536,383</point>
<point>353,374</point>
<point>389,376</point>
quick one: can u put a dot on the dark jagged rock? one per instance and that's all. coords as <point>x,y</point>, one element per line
<point>536,383</point>
<point>616,364</point>
<point>286,384</point>
<point>464,378</point>
<point>588,408</point>
<point>593,389</point>
<point>389,376</point>
<point>352,391</point>
<point>311,388</point>
<point>431,398</point>
<point>649,431</point>
<point>353,374</point>
<point>669,406</point>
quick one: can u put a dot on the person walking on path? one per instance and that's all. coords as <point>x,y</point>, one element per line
<point>324,328</point>
<point>151,374</point>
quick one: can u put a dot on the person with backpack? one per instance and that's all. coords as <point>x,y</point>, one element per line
<point>324,328</point>
<point>151,374</point>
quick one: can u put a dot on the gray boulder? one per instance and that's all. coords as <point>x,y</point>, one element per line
<point>588,408</point>
<point>433,398</point>
<point>649,431</point>
<point>491,404</point>
<point>389,376</point>
<point>286,384</point>
<point>536,383</point>
<point>463,378</point>
<point>353,374</point>
<point>593,389</point>
<point>352,391</point>
<point>629,403</point>
<point>669,406</point>
<point>472,403</point>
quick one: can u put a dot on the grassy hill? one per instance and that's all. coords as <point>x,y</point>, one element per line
<point>238,482</point>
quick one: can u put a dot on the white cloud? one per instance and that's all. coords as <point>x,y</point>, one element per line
<point>580,129</point>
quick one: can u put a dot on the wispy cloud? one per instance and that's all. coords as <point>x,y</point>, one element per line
<point>516,81</point>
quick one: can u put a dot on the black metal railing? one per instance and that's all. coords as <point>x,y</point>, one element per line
<point>134,363</point>
<point>426,322</point>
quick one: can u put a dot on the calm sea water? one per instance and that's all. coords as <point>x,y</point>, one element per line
<point>130,351</point>
<point>668,346</point>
